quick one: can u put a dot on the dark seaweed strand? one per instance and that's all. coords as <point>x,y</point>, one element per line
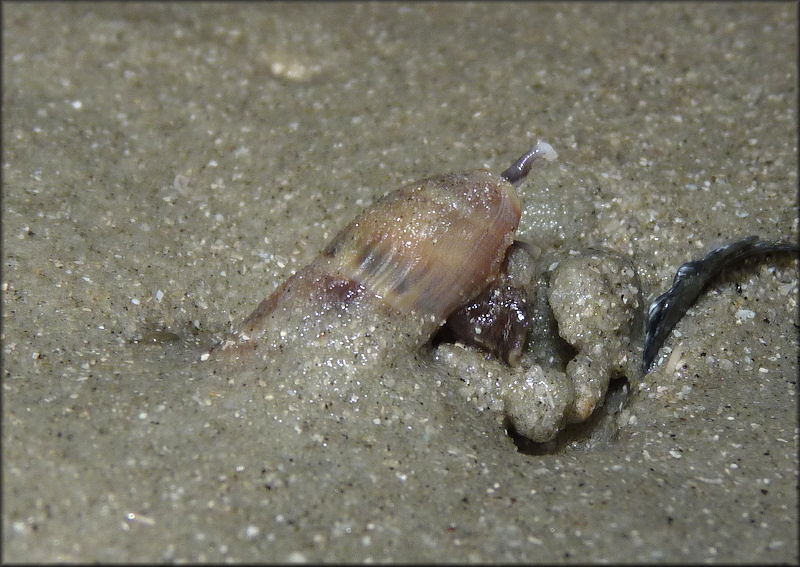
<point>691,278</point>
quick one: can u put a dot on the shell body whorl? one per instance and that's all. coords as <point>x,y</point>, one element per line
<point>430,246</point>
<point>406,263</point>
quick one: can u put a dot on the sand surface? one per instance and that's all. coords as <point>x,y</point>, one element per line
<point>166,166</point>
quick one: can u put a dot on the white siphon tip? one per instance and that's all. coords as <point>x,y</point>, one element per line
<point>546,151</point>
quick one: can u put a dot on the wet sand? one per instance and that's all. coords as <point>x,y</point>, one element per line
<point>167,166</point>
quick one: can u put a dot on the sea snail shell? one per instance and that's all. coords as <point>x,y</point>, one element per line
<point>424,249</point>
